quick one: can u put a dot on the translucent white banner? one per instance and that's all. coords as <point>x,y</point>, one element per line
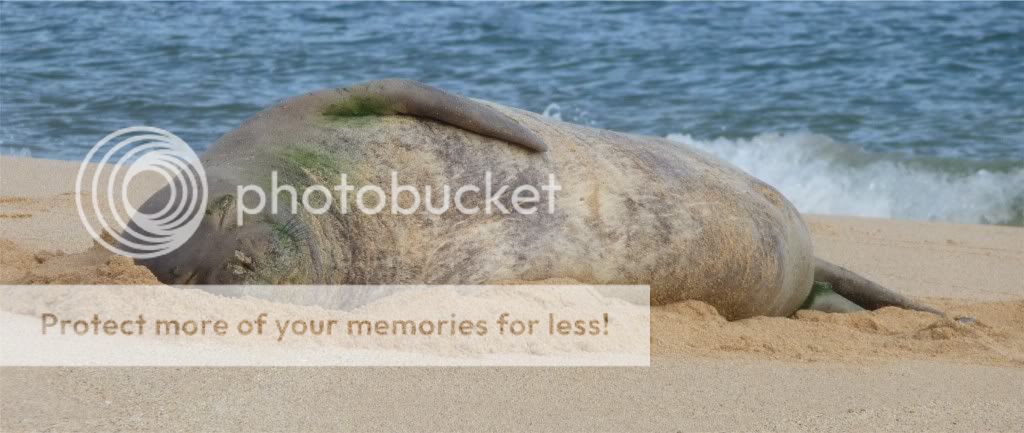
<point>435,325</point>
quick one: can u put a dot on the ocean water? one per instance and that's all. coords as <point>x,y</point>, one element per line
<point>904,110</point>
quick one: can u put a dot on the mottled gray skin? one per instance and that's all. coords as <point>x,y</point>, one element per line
<point>632,209</point>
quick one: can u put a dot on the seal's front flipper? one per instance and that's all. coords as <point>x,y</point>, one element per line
<point>862,291</point>
<point>395,96</point>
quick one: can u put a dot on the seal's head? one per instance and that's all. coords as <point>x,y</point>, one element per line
<point>264,249</point>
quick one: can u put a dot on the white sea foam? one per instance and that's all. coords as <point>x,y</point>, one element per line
<point>820,175</point>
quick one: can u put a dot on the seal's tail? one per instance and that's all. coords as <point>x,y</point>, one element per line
<point>862,291</point>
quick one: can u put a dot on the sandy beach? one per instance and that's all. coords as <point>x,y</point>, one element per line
<point>885,370</point>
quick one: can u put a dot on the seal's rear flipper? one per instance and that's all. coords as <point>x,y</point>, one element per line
<point>862,291</point>
<point>396,96</point>
<point>823,298</point>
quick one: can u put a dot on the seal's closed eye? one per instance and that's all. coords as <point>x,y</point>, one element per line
<point>396,96</point>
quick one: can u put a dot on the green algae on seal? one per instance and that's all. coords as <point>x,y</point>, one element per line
<point>631,209</point>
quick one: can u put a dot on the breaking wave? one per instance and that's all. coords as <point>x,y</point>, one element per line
<point>820,175</point>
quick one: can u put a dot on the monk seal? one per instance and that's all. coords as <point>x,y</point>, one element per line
<point>630,209</point>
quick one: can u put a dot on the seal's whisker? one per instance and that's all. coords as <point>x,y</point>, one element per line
<point>296,229</point>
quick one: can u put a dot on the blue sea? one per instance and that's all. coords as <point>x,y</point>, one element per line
<point>903,110</point>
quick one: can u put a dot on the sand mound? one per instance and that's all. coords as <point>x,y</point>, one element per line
<point>997,336</point>
<point>94,266</point>
<point>684,329</point>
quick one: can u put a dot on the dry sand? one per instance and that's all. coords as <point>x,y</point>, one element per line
<point>884,370</point>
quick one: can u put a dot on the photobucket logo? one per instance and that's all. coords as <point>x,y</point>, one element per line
<point>400,198</point>
<point>125,156</point>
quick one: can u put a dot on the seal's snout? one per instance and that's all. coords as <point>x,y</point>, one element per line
<point>195,261</point>
<point>263,249</point>
<point>258,252</point>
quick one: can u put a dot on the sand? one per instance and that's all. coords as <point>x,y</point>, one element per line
<point>883,370</point>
